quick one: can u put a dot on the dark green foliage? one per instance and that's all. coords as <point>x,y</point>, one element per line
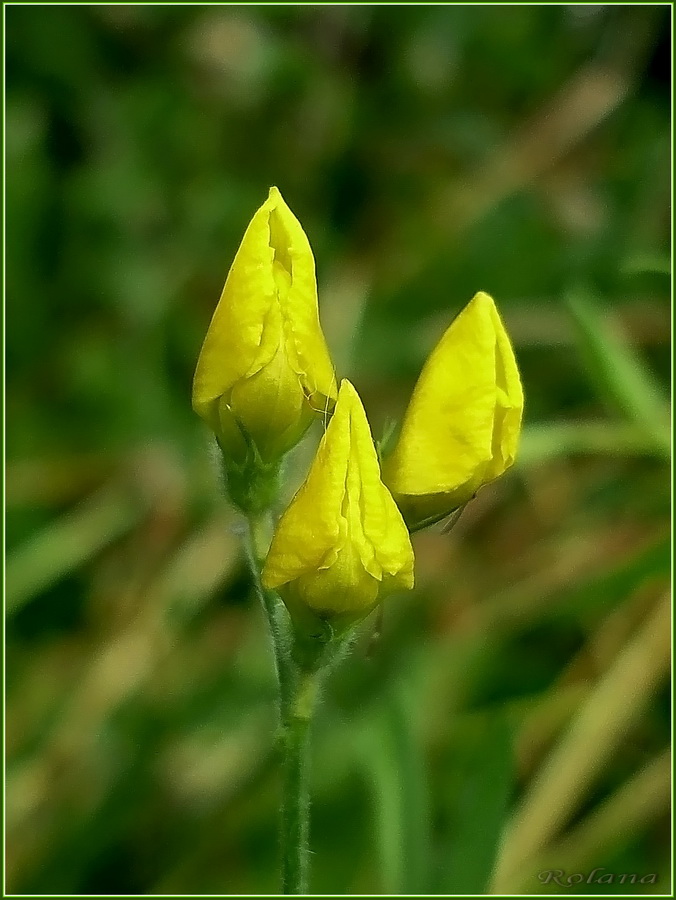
<point>430,152</point>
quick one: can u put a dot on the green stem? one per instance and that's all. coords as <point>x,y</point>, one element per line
<point>297,692</point>
<point>295,785</point>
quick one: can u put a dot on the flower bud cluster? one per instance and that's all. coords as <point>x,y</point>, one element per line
<point>263,375</point>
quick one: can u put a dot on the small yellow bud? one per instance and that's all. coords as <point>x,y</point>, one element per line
<point>462,426</point>
<point>264,368</point>
<point>342,543</point>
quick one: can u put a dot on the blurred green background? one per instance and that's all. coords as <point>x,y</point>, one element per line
<point>513,716</point>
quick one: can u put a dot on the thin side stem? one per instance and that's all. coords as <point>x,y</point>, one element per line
<point>257,544</point>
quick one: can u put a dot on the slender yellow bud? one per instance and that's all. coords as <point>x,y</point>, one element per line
<point>462,425</point>
<point>342,543</point>
<point>264,367</point>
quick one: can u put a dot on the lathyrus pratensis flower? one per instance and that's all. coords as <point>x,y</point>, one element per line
<point>264,368</point>
<point>462,425</point>
<point>342,543</point>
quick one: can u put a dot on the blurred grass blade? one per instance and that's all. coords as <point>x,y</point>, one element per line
<point>551,440</point>
<point>619,372</point>
<point>617,581</point>
<point>575,763</point>
<point>647,264</point>
<point>394,759</point>
<point>478,808</point>
<point>594,593</point>
<point>616,822</point>
<point>66,543</point>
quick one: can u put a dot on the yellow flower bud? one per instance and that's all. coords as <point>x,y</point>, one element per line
<point>342,543</point>
<point>462,425</point>
<point>264,367</point>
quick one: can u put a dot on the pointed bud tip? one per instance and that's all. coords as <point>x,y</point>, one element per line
<point>348,398</point>
<point>346,389</point>
<point>274,197</point>
<point>482,301</point>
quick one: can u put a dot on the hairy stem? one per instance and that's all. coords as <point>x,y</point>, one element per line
<point>295,786</point>
<point>297,693</point>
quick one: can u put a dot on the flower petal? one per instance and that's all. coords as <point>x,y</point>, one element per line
<point>234,336</point>
<point>306,345</point>
<point>264,366</point>
<point>342,543</point>
<point>447,431</point>
<point>509,409</point>
<point>310,528</point>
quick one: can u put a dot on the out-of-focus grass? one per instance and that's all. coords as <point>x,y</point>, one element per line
<point>513,716</point>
